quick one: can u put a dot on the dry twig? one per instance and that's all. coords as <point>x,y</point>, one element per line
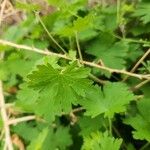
<point>138,63</point>
<point>141,84</point>
<point>5,119</point>
<point>22,119</point>
<point>140,60</point>
<point>91,64</point>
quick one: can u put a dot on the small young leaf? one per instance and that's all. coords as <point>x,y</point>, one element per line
<point>99,141</point>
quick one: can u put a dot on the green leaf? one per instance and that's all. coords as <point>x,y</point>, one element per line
<point>15,65</point>
<point>99,141</point>
<point>145,90</point>
<point>58,89</point>
<point>143,12</point>
<point>134,52</point>
<point>111,54</point>
<point>87,34</point>
<point>50,139</point>
<point>89,125</point>
<point>59,139</point>
<point>112,99</point>
<point>17,32</point>
<point>26,131</point>
<point>79,25</point>
<point>106,19</point>
<point>141,122</point>
<point>37,143</point>
<point>26,98</point>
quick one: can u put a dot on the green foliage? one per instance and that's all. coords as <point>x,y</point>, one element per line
<point>143,12</point>
<point>26,131</point>
<point>101,141</point>
<point>141,122</point>
<point>75,104</point>
<point>111,100</point>
<point>50,140</point>
<point>111,54</point>
<point>58,89</point>
<point>146,67</point>
<point>79,25</point>
<point>89,125</point>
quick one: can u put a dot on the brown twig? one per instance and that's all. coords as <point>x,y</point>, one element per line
<point>140,60</point>
<point>139,76</point>
<point>22,119</point>
<point>5,119</point>
<point>138,63</point>
<point>91,64</point>
<point>77,110</point>
<point>93,77</point>
<point>33,117</point>
<point>8,142</point>
<point>141,84</point>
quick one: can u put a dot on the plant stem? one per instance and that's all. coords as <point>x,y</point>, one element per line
<point>110,125</point>
<point>141,84</point>
<point>132,40</point>
<point>78,46</point>
<point>97,79</point>
<point>138,63</point>
<point>118,11</point>
<point>4,116</point>
<point>91,64</point>
<point>15,121</point>
<point>145,146</point>
<point>119,135</point>
<point>49,34</point>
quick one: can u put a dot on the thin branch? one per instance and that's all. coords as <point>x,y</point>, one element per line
<point>138,63</point>
<point>118,11</point>
<point>77,110</point>
<point>141,84</point>
<point>119,135</point>
<point>97,79</point>
<point>81,59</point>
<point>49,34</point>
<point>78,46</point>
<point>139,76</point>
<point>132,40</point>
<point>23,119</point>
<point>8,142</point>
<point>110,125</point>
<point>145,146</point>
<point>33,49</point>
<point>140,60</point>
<point>5,119</point>
<point>91,64</point>
<point>33,117</point>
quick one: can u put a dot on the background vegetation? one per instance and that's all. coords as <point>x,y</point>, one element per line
<point>75,74</point>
